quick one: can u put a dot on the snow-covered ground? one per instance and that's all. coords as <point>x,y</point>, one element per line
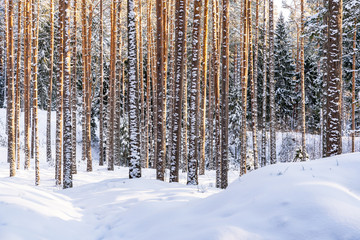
<point>313,200</point>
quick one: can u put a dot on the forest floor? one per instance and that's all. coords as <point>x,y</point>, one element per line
<point>317,199</point>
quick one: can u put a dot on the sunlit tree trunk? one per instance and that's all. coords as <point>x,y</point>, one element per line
<point>245,70</point>
<point>148,82</point>
<point>27,78</point>
<point>17,87</point>
<point>59,100</point>
<point>111,98</point>
<point>11,95</point>
<point>204,84</point>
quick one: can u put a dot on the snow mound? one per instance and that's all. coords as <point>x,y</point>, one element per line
<point>311,200</point>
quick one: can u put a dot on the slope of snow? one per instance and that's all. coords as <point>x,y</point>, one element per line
<point>312,200</point>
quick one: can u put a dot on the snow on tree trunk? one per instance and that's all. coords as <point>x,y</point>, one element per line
<point>67,160</point>
<point>302,79</point>
<point>272,85</point>
<point>59,100</point>
<point>178,93</point>
<point>27,77</point>
<point>51,67</point>
<point>334,83</point>
<point>225,94</point>
<point>192,178</point>
<point>161,121</point>
<point>134,142</point>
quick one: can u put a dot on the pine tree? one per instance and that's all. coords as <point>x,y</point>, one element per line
<point>178,94</point>
<point>225,94</point>
<point>334,70</point>
<point>67,133</point>
<point>11,96</point>
<point>161,115</point>
<point>192,178</point>
<point>134,161</point>
<point>272,85</point>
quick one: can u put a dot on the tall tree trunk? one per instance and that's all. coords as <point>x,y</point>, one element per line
<point>74,88</point>
<point>245,70</point>
<point>185,99</point>
<point>27,77</point>
<point>17,89</point>
<point>67,175</point>
<point>84,67</point>
<point>192,178</point>
<point>117,131</point>
<point>35,96</point>
<point>353,91</point>
<point>302,79</point>
<point>180,22</point>
<point>141,80</point>
<point>216,41</point>
<point>112,86</point>
<point>135,166</point>
<point>89,92</point>
<point>264,97</point>
<point>161,144</point>
<point>204,84</point>
<point>272,85</point>
<point>334,69</point>
<point>225,94</point>
<point>101,109</point>
<point>11,96</point>
<point>148,82</point>
<point>254,103</point>
<point>59,100</point>
<point>51,67</point>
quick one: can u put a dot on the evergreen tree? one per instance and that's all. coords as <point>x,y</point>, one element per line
<point>284,74</point>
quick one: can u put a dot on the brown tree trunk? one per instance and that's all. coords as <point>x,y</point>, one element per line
<point>11,95</point>
<point>27,77</point>
<point>334,84</point>
<point>17,89</point>
<point>161,144</point>
<point>59,101</point>
<point>204,84</point>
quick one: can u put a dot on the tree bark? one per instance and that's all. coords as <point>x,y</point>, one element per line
<point>135,165</point>
<point>334,84</point>
<point>178,94</point>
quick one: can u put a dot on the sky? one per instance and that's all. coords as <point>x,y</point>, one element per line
<point>279,8</point>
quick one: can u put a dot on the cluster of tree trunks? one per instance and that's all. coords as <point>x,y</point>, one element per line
<point>137,95</point>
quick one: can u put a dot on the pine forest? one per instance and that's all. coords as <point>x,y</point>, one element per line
<point>134,105</point>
